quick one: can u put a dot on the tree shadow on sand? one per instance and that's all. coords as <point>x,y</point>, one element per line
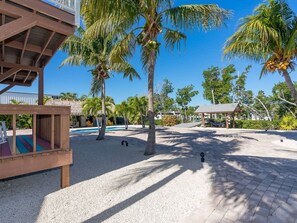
<point>244,188</point>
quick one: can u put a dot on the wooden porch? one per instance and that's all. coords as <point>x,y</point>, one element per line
<point>31,31</point>
<point>46,148</point>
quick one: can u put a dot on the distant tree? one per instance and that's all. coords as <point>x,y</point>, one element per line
<point>184,97</point>
<point>92,106</point>
<point>68,96</point>
<point>262,103</point>
<point>239,89</point>
<point>218,84</point>
<point>124,110</point>
<point>139,106</point>
<point>283,100</point>
<point>163,102</point>
<point>83,97</point>
<point>269,37</point>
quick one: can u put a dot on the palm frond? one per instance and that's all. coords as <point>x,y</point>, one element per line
<point>173,38</point>
<point>202,16</point>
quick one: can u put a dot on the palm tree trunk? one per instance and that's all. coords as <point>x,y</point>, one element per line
<point>151,140</point>
<point>290,85</point>
<point>103,124</point>
<point>126,123</point>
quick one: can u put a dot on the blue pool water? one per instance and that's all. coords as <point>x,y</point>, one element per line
<point>95,130</point>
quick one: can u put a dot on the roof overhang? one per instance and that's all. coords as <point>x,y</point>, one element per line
<point>31,31</point>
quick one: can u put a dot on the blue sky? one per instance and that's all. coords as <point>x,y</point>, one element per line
<point>183,67</point>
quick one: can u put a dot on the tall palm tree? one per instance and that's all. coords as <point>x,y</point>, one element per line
<point>144,22</point>
<point>124,110</point>
<point>268,36</point>
<point>96,53</point>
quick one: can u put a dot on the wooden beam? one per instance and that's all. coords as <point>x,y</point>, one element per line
<point>13,152</point>
<point>65,176</point>
<point>47,9</point>
<point>3,44</point>
<point>6,89</point>
<point>52,131</point>
<point>9,109</point>
<point>20,66</point>
<point>40,20</point>
<point>40,161</point>
<point>28,75</point>
<point>29,47</point>
<point>15,27</point>
<point>45,47</point>
<point>9,73</point>
<point>25,45</point>
<point>40,87</point>
<point>34,133</point>
<point>16,83</point>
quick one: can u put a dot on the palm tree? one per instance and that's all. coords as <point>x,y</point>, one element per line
<point>124,110</point>
<point>92,106</point>
<point>68,96</point>
<point>139,106</point>
<point>144,22</point>
<point>268,36</point>
<point>96,52</point>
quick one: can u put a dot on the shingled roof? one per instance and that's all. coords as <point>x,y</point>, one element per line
<point>219,108</point>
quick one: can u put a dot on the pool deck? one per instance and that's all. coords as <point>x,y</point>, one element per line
<point>247,176</point>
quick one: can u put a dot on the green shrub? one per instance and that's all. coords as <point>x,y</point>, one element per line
<point>158,122</point>
<point>169,120</point>
<point>256,124</point>
<point>288,122</point>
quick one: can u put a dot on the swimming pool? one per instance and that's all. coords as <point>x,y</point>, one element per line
<point>95,130</point>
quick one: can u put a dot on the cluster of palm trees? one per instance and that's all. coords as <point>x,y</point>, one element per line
<point>114,29</point>
<point>133,110</point>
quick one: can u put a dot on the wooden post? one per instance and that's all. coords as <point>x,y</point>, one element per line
<point>203,120</point>
<point>40,87</point>
<point>13,134</point>
<point>233,121</point>
<point>65,176</point>
<point>34,133</point>
<point>53,131</point>
<point>227,123</point>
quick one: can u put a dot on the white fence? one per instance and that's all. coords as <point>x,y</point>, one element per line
<point>71,6</point>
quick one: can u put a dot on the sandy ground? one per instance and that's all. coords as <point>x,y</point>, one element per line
<point>115,183</point>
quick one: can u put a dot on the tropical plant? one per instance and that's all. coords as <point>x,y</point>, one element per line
<point>92,106</point>
<point>139,107</point>
<point>288,122</point>
<point>96,52</point>
<point>124,110</point>
<point>23,121</point>
<point>268,36</point>
<point>68,96</point>
<point>144,22</point>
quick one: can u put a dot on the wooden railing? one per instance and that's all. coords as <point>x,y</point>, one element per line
<point>71,6</point>
<point>49,124</point>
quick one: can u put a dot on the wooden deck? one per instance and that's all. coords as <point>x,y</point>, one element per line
<point>48,146</point>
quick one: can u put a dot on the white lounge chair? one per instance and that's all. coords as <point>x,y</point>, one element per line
<point>3,133</point>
